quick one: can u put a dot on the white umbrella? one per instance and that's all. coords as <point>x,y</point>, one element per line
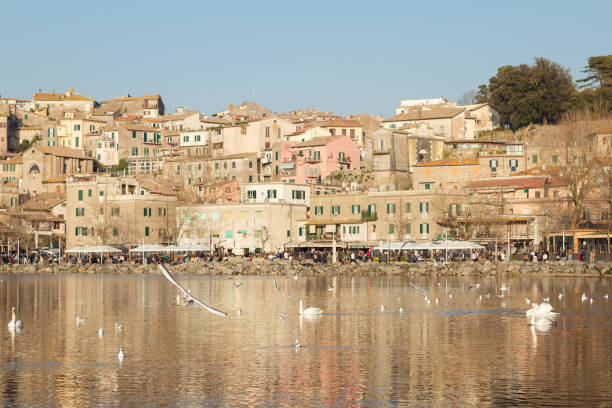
<point>396,245</point>
<point>90,249</point>
<point>148,248</point>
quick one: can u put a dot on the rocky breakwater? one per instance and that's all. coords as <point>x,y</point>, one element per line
<point>286,268</point>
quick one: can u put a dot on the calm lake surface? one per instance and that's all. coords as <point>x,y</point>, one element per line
<point>460,352</point>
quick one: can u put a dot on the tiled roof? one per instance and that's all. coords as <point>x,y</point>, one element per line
<point>340,123</point>
<point>132,98</point>
<point>517,183</point>
<point>427,113</point>
<point>171,117</point>
<point>541,171</point>
<point>451,161</point>
<point>28,128</point>
<point>62,151</point>
<point>44,201</point>
<point>41,96</point>
<point>13,160</point>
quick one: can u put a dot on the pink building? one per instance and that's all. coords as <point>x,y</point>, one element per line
<point>310,162</point>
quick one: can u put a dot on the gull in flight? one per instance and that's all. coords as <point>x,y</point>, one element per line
<point>100,332</point>
<point>237,285</point>
<point>188,295</point>
<point>277,290</point>
<point>475,285</point>
<point>79,321</point>
<point>415,286</point>
<point>383,308</point>
<point>297,275</point>
<point>118,327</point>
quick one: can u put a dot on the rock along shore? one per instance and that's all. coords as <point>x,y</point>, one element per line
<point>260,267</point>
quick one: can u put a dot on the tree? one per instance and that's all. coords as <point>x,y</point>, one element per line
<point>598,80</point>
<point>525,94</point>
<point>26,144</point>
<point>468,97</point>
<point>122,166</point>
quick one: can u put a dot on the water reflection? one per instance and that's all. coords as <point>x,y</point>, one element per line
<point>469,348</point>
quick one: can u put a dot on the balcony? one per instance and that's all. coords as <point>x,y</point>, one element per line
<point>312,159</point>
<point>368,216</point>
<point>344,159</point>
<point>381,151</point>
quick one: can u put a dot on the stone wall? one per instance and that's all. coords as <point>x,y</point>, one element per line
<point>286,268</point>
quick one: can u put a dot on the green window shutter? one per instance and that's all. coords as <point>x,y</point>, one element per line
<point>407,229</point>
<point>421,207</point>
<point>133,134</point>
<point>407,207</point>
<point>144,212</point>
<point>146,231</point>
<point>89,193</point>
<point>534,158</point>
<point>421,228</point>
<point>76,141</point>
<point>276,154</point>
<point>80,195</point>
<point>391,228</point>
<point>427,225</point>
<point>76,231</point>
<point>77,212</point>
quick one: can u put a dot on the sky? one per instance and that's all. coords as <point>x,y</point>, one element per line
<point>348,57</point>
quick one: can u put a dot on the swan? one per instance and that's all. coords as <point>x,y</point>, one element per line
<point>561,296</point>
<point>542,310</point>
<point>400,310</point>
<point>14,323</point>
<point>541,323</point>
<point>310,310</point>
<point>606,296</point>
<point>120,355</point>
<point>527,301</point>
<point>79,321</point>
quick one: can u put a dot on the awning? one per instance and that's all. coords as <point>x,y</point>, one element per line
<point>449,244</point>
<point>91,249</point>
<point>315,244</point>
<point>148,248</point>
<point>396,245</point>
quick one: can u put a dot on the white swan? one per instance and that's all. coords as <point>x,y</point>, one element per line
<point>546,299</point>
<point>560,296</point>
<point>120,355</point>
<point>100,332</point>
<point>543,310</point>
<point>14,323</point>
<point>310,311</point>
<point>606,296</point>
<point>541,323</point>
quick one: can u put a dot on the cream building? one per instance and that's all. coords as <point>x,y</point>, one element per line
<point>117,211</point>
<point>242,228</point>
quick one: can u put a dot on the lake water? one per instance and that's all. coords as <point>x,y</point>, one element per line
<point>460,352</point>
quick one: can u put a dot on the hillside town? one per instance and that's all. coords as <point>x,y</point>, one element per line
<point>126,172</point>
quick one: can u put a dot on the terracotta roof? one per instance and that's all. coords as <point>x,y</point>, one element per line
<point>318,141</point>
<point>133,98</point>
<point>541,171</point>
<point>174,116</point>
<point>62,151</point>
<point>128,118</point>
<point>517,183</point>
<point>13,160</point>
<point>451,161</point>
<point>28,128</point>
<point>44,201</point>
<point>59,179</point>
<point>139,127</point>
<point>41,96</point>
<point>427,113</point>
<point>340,123</point>
<point>12,183</point>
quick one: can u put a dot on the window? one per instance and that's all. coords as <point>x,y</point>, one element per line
<point>493,165</point>
<point>319,210</point>
<point>89,193</point>
<point>276,170</point>
<point>271,193</point>
<point>537,194</point>
<point>114,211</point>
<point>133,134</point>
<point>276,155</point>
<point>513,164</point>
<point>146,212</point>
<point>186,138</point>
<point>101,193</point>
<point>424,207</point>
<point>77,127</point>
<point>134,151</point>
<point>424,228</point>
<point>115,232</point>
<point>197,138</point>
<point>250,164</point>
<point>161,211</point>
<point>250,179</point>
<point>427,186</point>
<point>390,208</point>
<point>80,212</point>
<point>335,210</point>
<point>407,229</point>
<point>371,210</point>
<point>391,228</point>
<point>146,151</point>
<point>252,194</point>
<point>267,131</point>
<point>555,158</point>
<point>76,141</point>
<point>534,158</point>
<point>355,209</point>
<point>352,133</point>
<point>146,231</point>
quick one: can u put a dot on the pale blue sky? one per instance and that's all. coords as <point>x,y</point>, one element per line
<point>348,57</point>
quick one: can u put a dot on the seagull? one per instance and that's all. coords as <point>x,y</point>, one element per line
<point>297,275</point>
<point>606,296</point>
<point>237,285</point>
<point>505,287</point>
<point>546,299</point>
<point>480,298</point>
<point>277,290</point>
<point>584,298</point>
<point>475,285</point>
<point>310,311</point>
<point>501,296</point>
<point>426,298</point>
<point>383,308</point>
<point>428,302</point>
<point>118,327</point>
<point>283,316</point>
<point>437,301</point>
<point>297,344</point>
<point>560,296</point>
<point>239,311</point>
<point>527,301</point>
<point>591,300</point>
<point>450,295</point>
<point>330,287</point>
<point>415,286</point>
<point>79,321</point>
<point>100,332</point>
<point>400,310</point>
<point>120,355</point>
<point>14,323</point>
<point>488,295</point>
